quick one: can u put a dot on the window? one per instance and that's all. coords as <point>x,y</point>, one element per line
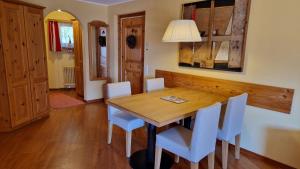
<point>66,35</point>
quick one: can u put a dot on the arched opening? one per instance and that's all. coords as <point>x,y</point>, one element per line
<point>64,57</point>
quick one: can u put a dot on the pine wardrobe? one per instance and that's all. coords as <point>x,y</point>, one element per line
<point>23,65</point>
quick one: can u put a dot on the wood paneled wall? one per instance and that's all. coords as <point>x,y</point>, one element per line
<point>262,96</point>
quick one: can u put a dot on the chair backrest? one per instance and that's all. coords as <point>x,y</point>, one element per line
<point>155,84</point>
<point>205,132</point>
<point>115,90</point>
<point>233,120</point>
<point>118,89</point>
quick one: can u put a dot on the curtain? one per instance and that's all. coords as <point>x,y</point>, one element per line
<point>54,39</point>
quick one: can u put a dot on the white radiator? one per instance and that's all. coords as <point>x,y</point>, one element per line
<point>69,77</point>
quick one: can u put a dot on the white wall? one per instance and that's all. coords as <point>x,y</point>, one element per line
<point>272,58</point>
<point>56,61</point>
<point>85,13</point>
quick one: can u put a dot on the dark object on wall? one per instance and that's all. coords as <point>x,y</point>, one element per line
<point>223,26</point>
<point>102,41</point>
<point>131,41</point>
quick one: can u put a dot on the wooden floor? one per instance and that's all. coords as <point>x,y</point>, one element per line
<point>75,138</point>
<point>69,92</point>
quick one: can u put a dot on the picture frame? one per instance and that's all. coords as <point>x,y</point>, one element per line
<point>223,26</point>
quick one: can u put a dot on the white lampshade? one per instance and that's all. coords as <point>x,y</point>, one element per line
<point>182,31</point>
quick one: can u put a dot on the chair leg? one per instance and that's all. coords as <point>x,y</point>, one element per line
<point>128,144</point>
<point>237,146</point>
<point>158,152</point>
<point>194,165</point>
<point>224,154</point>
<point>177,159</point>
<point>211,160</point>
<point>110,128</point>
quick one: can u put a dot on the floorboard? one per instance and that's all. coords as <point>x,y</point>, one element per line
<point>75,138</point>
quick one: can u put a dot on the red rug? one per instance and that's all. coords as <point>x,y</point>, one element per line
<point>59,100</point>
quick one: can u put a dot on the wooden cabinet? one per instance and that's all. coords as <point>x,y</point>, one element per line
<point>37,63</point>
<point>24,82</point>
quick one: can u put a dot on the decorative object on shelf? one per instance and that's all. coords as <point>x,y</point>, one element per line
<point>223,28</point>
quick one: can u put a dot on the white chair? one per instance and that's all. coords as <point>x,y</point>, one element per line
<point>119,118</point>
<point>192,145</point>
<point>155,84</point>
<point>232,126</point>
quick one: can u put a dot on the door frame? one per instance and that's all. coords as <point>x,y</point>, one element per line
<point>77,59</point>
<point>120,60</point>
<point>79,48</point>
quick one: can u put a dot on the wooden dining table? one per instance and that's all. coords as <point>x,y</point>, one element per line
<point>158,113</point>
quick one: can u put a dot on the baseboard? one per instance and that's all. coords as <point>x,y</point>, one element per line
<point>260,157</point>
<point>94,101</point>
<point>58,89</point>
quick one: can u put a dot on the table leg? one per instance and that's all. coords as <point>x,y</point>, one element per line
<point>144,159</point>
<point>151,140</point>
<point>187,122</point>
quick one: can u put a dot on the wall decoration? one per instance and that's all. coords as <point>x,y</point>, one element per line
<point>223,27</point>
<point>131,39</point>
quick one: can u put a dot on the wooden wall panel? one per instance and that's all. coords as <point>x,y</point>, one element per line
<point>21,109</point>
<point>267,97</point>
<point>4,104</point>
<point>78,58</point>
<point>40,99</point>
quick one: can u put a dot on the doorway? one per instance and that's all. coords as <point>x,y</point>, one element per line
<point>64,58</point>
<point>131,50</point>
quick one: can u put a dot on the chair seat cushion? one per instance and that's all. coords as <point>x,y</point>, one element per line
<point>176,140</point>
<point>223,136</point>
<point>220,135</point>
<point>126,121</point>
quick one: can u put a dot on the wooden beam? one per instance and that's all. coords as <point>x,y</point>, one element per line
<point>262,96</point>
<point>18,2</point>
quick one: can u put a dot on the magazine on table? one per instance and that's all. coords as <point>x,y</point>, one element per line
<point>174,99</point>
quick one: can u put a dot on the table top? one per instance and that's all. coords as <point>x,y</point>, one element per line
<point>152,109</point>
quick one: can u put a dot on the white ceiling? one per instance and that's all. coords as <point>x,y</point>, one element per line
<point>105,2</point>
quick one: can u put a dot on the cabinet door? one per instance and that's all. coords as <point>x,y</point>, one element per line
<point>4,104</point>
<point>16,61</point>
<point>34,26</point>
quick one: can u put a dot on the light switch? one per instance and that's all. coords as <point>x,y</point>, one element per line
<point>146,46</point>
